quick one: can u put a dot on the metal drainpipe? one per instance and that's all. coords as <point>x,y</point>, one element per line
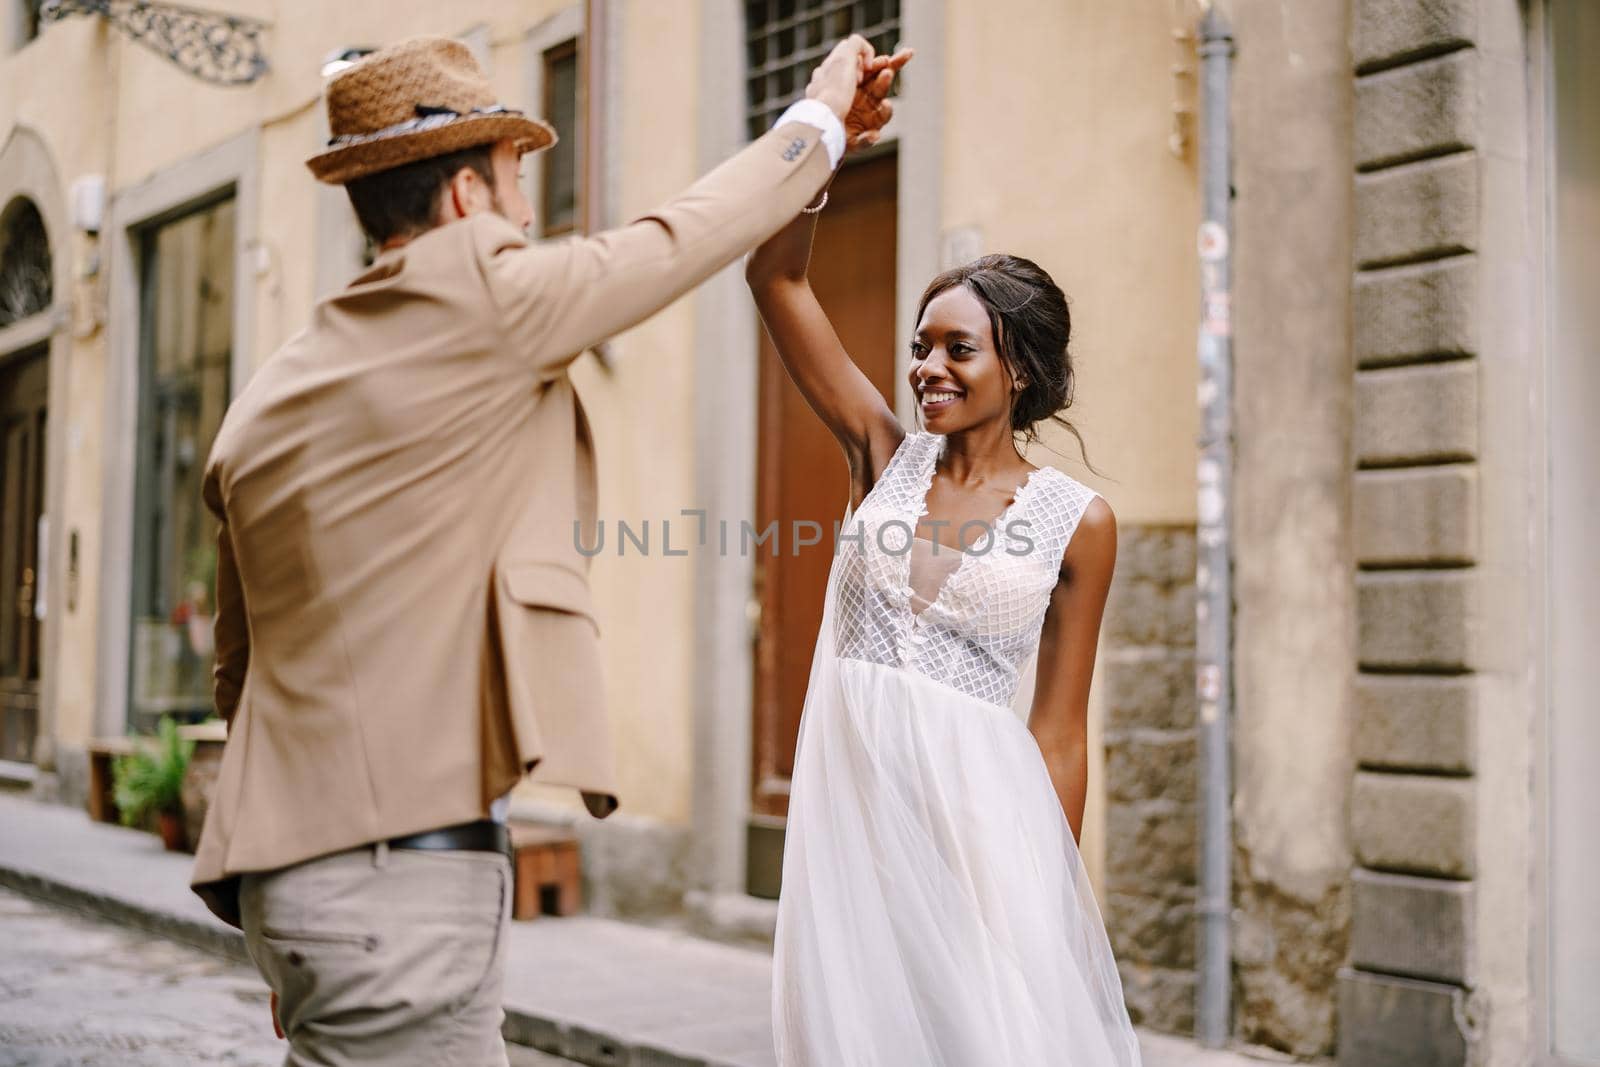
<point>1213,571</point>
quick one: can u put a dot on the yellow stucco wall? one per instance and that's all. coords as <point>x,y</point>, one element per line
<point>51,88</point>
<point>641,411</point>
<point>1057,119</point>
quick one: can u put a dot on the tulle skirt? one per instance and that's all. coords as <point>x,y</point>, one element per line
<point>934,911</point>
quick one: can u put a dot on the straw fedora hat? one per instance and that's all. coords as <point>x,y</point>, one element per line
<point>413,100</point>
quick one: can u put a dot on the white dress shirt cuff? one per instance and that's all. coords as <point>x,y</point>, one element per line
<point>816,113</point>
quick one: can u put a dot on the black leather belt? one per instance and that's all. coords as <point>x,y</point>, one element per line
<point>485,835</point>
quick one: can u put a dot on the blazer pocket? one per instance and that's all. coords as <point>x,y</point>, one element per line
<point>551,586</point>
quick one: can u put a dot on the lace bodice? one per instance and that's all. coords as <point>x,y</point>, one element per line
<point>984,622</point>
<point>931,564</point>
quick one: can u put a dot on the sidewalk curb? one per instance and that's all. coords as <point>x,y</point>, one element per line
<point>225,942</point>
<point>547,1034</point>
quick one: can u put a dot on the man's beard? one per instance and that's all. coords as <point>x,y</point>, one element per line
<point>499,208</point>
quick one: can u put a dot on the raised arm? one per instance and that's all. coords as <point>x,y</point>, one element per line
<point>1059,718</point>
<point>837,390</point>
<point>557,299</point>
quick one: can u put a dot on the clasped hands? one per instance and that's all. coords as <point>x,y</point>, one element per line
<point>854,82</point>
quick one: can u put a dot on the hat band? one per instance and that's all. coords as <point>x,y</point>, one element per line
<point>434,118</point>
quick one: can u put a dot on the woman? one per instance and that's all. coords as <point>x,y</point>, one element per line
<point>935,910</point>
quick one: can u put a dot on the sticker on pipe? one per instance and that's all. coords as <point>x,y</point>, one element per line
<point>1215,318</point>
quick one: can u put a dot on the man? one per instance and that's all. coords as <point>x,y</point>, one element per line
<point>404,623</point>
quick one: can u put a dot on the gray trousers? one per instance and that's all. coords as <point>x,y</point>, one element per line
<point>385,956</point>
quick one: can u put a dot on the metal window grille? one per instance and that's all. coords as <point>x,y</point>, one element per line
<point>786,39</point>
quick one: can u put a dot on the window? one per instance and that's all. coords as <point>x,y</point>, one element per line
<point>25,284</point>
<point>186,348</point>
<point>785,39</point>
<point>558,210</point>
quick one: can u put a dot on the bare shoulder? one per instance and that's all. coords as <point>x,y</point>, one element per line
<point>1092,553</point>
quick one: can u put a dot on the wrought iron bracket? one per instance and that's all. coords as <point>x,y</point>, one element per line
<point>217,48</point>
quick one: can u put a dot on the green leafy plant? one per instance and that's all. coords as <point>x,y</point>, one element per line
<point>151,779</point>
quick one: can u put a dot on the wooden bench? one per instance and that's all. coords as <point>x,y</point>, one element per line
<point>549,875</point>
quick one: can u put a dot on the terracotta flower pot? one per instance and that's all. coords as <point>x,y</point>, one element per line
<point>170,824</point>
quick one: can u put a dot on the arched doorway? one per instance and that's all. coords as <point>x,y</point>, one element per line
<point>26,293</point>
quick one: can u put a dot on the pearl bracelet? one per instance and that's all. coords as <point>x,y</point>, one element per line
<point>819,207</point>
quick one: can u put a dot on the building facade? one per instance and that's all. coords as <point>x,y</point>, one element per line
<point>1415,219</point>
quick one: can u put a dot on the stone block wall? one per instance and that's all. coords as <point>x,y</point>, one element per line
<point>1147,679</point>
<point>1404,998</point>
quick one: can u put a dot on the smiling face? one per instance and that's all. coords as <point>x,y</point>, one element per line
<point>957,373</point>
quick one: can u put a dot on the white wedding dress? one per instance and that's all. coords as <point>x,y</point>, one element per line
<point>935,911</point>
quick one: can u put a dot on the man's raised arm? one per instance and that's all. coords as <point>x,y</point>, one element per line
<point>556,300</point>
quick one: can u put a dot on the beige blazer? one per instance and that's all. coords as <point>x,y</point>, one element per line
<point>404,625</point>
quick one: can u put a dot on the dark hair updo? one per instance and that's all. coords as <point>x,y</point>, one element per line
<point>1032,326</point>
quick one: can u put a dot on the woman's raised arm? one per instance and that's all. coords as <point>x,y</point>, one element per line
<point>837,390</point>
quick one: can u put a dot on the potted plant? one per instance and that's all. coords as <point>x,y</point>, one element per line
<point>150,783</point>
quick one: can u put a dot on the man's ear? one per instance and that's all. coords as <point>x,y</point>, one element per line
<point>463,196</point>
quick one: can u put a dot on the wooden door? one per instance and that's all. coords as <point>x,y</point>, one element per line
<point>24,385</point>
<point>801,470</point>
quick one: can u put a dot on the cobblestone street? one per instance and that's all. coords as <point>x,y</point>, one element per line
<point>76,991</point>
